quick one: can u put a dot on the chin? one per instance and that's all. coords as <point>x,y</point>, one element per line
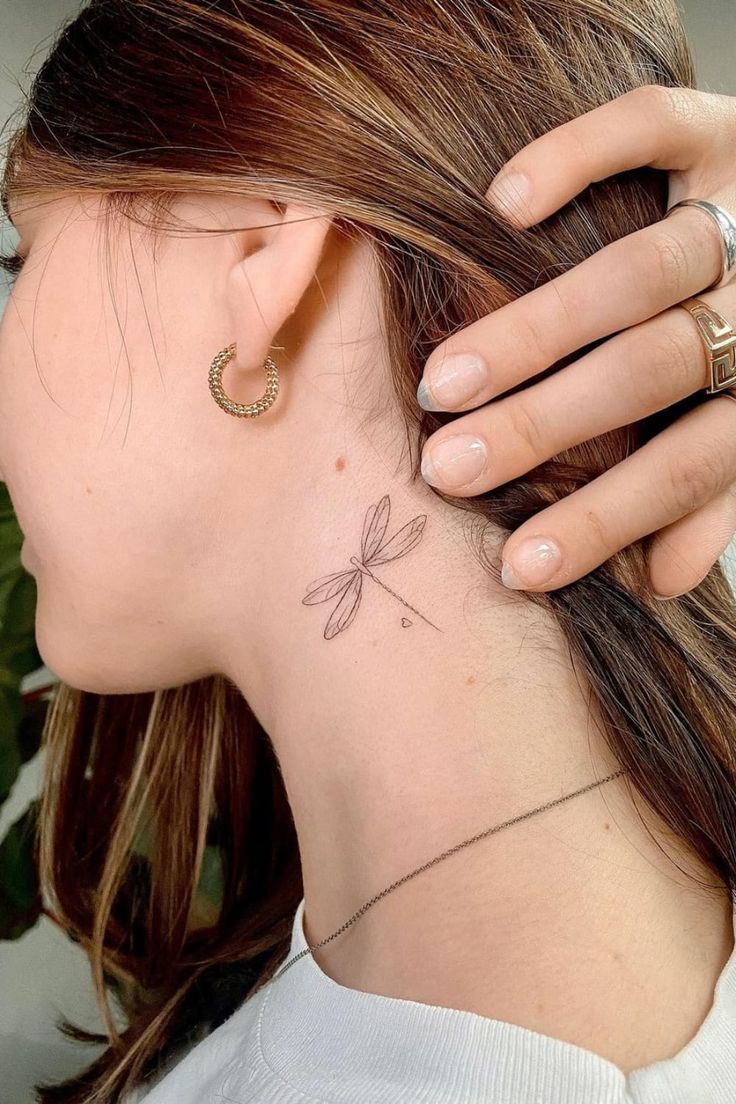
<point>59,656</point>
<point>66,650</point>
<point>101,660</point>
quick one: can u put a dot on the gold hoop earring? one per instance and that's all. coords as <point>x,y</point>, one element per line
<point>242,410</point>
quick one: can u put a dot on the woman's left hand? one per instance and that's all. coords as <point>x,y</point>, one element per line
<point>681,484</point>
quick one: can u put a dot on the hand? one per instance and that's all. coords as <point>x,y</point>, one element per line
<point>681,484</point>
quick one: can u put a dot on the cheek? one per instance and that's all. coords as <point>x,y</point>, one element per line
<point>84,474</point>
<point>74,438</point>
<point>115,474</point>
<point>46,400</point>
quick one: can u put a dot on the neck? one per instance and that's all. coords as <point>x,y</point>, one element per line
<point>406,733</point>
<point>447,705</point>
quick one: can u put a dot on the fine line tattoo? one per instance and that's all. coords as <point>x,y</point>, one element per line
<point>347,586</point>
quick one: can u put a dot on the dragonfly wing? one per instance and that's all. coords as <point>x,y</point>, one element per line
<point>401,542</point>
<point>374,528</point>
<point>327,587</point>
<point>346,608</point>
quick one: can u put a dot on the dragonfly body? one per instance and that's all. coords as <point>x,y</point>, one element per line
<point>347,586</point>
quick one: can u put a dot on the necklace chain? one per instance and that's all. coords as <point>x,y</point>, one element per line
<point>445,854</point>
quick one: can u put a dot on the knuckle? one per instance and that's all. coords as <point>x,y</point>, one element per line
<point>696,477</point>
<point>672,261</point>
<point>534,339</point>
<point>528,427</point>
<point>677,104</point>
<point>674,360</point>
<point>683,107</point>
<point>576,139</point>
<point>561,310</point>
<point>600,532</point>
<point>649,97</point>
<point>538,332</point>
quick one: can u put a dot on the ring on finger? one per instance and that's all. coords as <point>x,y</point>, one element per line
<point>726,223</point>
<point>719,341</point>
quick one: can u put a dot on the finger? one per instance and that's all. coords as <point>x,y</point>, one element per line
<point>667,128</point>
<point>672,475</point>
<point>682,554</point>
<point>635,374</point>
<point>642,273</point>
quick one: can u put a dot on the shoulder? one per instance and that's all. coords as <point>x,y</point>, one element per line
<point>229,1055</point>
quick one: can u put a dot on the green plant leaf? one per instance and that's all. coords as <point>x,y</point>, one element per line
<point>20,896</point>
<point>30,728</point>
<point>21,724</point>
<point>18,653</point>
<point>10,756</point>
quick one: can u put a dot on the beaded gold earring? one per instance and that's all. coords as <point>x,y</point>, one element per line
<point>242,410</point>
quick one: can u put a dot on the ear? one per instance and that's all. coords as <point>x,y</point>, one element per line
<point>266,285</point>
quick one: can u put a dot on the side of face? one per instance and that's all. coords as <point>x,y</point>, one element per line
<point>119,464</point>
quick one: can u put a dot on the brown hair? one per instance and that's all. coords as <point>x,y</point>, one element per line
<point>142,99</point>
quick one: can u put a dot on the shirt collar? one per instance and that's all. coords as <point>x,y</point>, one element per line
<point>356,1046</point>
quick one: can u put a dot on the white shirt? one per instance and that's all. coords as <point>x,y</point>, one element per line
<point>303,1038</point>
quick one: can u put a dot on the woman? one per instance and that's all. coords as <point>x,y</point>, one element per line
<point>275,638</point>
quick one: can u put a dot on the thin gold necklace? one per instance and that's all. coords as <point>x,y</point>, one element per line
<point>445,854</point>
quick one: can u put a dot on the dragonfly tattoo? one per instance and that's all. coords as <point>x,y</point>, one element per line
<point>347,586</point>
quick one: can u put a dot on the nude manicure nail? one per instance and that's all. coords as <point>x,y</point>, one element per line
<point>452,382</point>
<point>535,561</point>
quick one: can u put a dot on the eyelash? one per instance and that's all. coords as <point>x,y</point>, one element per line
<point>12,263</point>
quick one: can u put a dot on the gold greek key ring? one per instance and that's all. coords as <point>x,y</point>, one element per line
<point>719,340</point>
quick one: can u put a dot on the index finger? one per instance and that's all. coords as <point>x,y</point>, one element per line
<point>666,128</point>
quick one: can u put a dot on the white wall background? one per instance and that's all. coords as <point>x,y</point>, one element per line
<point>711,26</point>
<point>43,974</point>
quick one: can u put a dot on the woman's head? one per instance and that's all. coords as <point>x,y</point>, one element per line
<point>341,154</point>
<point>145,508</point>
<point>337,152</point>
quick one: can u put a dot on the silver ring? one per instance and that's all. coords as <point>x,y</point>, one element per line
<point>727,226</point>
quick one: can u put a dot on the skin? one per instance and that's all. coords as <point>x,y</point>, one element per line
<point>170,541</point>
<point>681,485</point>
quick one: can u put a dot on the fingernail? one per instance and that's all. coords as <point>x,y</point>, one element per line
<point>512,192</point>
<point>453,381</point>
<point>535,561</point>
<point>454,462</point>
